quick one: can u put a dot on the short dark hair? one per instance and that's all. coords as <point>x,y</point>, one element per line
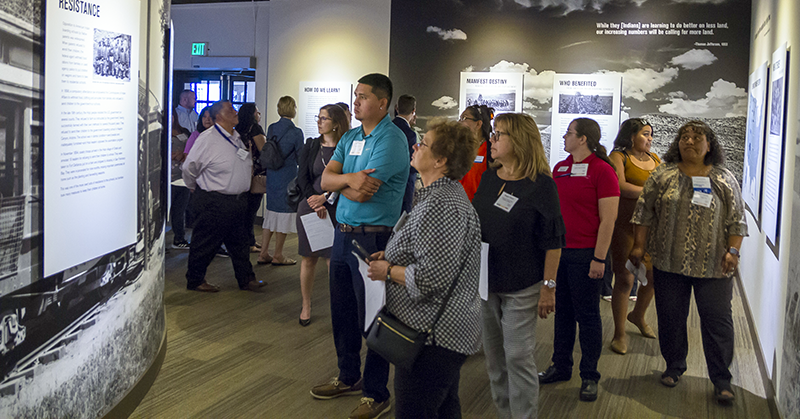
<point>405,104</point>
<point>456,143</point>
<point>216,108</point>
<point>627,130</point>
<point>381,85</point>
<point>715,155</point>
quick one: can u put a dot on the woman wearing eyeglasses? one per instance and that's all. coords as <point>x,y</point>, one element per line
<point>518,207</point>
<point>478,118</point>
<point>332,123</point>
<point>588,191</point>
<point>690,218</point>
<point>633,162</point>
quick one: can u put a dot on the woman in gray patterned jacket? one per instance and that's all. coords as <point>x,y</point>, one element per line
<point>690,218</point>
<point>437,244</point>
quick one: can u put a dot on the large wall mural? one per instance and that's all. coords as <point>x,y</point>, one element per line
<point>72,344</point>
<point>678,60</point>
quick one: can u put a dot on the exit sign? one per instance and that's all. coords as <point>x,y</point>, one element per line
<point>200,48</point>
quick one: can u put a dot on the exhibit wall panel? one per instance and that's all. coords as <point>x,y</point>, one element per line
<point>75,342</point>
<point>336,41</point>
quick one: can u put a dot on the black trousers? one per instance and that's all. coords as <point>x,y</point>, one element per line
<point>577,300</point>
<point>713,297</point>
<point>429,389</point>
<point>219,220</point>
<point>253,203</point>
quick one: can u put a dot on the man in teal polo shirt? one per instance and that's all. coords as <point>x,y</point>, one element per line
<point>370,169</point>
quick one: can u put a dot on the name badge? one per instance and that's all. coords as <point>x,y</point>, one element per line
<point>478,159</point>
<point>506,201</point>
<point>580,169</point>
<point>242,153</point>
<point>563,168</point>
<point>702,191</point>
<point>401,222</point>
<point>357,148</point>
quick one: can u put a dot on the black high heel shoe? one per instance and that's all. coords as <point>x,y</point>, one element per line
<point>305,322</point>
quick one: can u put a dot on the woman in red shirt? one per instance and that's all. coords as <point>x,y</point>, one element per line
<point>588,191</point>
<point>478,118</point>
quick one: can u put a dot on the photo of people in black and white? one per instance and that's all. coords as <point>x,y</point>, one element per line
<point>776,113</point>
<point>500,101</point>
<point>585,104</point>
<point>112,55</point>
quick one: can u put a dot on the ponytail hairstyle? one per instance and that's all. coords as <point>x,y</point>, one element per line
<point>591,130</point>
<point>484,114</point>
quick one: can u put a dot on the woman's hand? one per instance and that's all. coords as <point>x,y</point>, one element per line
<point>378,255</point>
<point>316,201</point>
<point>322,212</point>
<point>729,262</point>
<point>636,255</point>
<point>377,270</point>
<point>597,270</point>
<point>547,301</point>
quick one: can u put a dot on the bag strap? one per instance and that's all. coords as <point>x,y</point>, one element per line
<point>446,299</point>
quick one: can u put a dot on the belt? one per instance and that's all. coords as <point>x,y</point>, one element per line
<point>344,228</point>
<point>222,195</point>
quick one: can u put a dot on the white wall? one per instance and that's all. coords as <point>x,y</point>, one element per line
<point>332,40</point>
<point>763,275</point>
<point>231,29</point>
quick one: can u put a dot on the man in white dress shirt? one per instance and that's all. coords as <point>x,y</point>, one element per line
<point>218,170</point>
<point>187,116</point>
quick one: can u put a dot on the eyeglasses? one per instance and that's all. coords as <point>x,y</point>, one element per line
<point>464,118</point>
<point>322,118</point>
<point>496,134</point>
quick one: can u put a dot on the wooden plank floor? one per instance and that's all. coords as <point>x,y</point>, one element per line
<point>238,354</point>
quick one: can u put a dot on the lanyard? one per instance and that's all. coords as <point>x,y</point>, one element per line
<point>225,136</point>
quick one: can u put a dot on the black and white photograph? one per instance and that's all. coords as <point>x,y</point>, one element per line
<point>500,101</point>
<point>112,55</point>
<point>580,104</point>
<point>670,79</point>
<point>776,107</point>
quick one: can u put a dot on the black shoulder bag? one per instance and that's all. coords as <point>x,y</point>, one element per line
<point>397,342</point>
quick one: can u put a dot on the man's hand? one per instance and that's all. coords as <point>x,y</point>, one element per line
<point>361,182</point>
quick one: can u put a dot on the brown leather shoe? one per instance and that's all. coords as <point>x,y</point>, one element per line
<point>255,285</point>
<point>206,287</point>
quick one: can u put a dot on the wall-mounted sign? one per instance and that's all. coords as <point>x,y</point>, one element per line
<point>200,48</point>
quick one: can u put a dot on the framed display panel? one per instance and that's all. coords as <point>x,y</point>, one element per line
<point>773,157</point>
<point>754,141</point>
<point>501,91</point>
<point>314,95</point>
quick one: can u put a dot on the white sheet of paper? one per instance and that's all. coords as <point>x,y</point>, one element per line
<point>374,293</point>
<point>483,284</point>
<point>318,230</point>
<point>639,272</point>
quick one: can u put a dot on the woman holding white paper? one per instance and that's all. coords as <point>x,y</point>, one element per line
<point>517,203</point>
<point>434,249</point>
<point>690,218</point>
<point>332,123</point>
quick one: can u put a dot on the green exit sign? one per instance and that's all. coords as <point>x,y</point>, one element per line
<point>200,48</point>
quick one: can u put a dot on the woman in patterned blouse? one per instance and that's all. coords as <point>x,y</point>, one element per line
<point>437,244</point>
<point>690,218</point>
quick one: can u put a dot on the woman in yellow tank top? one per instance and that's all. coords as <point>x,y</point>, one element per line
<point>633,162</point>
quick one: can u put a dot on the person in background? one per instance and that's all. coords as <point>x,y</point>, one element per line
<point>690,219</point>
<point>204,122</point>
<point>437,248</point>
<point>218,170</point>
<point>279,218</point>
<point>478,118</point>
<point>406,116</point>
<point>517,203</point>
<point>187,115</point>
<point>369,169</point>
<point>633,163</point>
<point>180,193</point>
<point>253,137</point>
<point>332,123</point>
<point>588,192</point>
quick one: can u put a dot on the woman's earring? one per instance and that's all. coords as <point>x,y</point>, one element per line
<point>334,130</point>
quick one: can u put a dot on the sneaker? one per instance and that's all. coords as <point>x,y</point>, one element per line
<point>335,388</point>
<point>183,244</point>
<point>223,253</point>
<point>607,298</point>
<point>370,409</point>
<point>633,298</point>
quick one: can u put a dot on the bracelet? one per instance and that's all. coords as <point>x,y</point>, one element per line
<point>597,259</point>
<point>389,273</point>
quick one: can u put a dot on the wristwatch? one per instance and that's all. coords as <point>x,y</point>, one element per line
<point>549,283</point>
<point>734,251</point>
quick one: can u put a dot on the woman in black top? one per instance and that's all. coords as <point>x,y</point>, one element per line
<point>520,216</point>
<point>253,138</point>
<point>332,123</point>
